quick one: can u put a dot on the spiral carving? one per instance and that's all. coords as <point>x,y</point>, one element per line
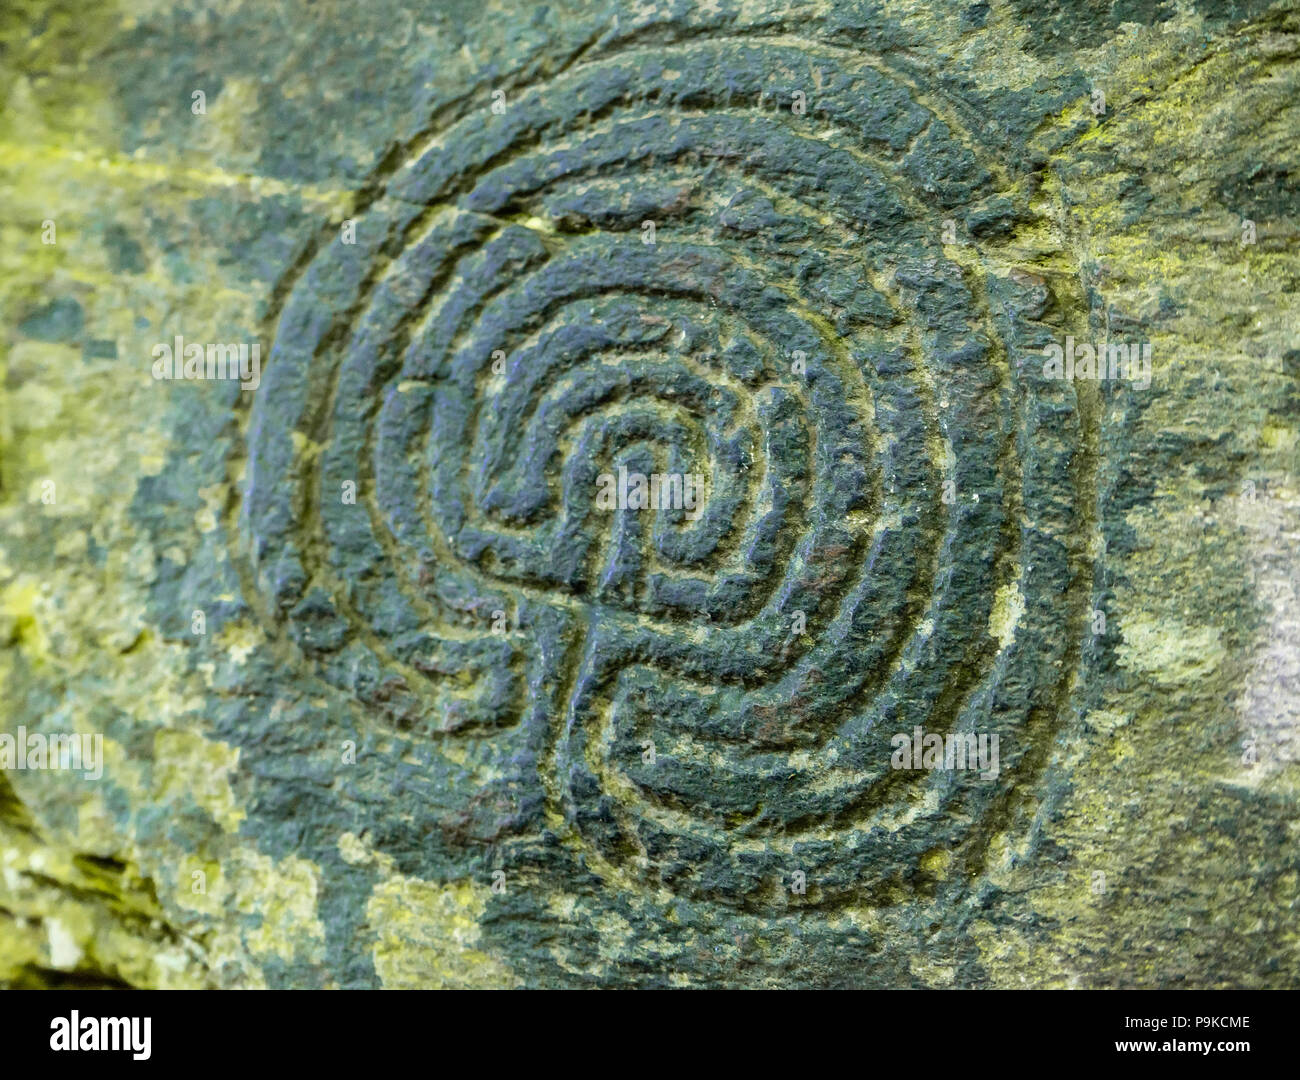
<point>659,262</point>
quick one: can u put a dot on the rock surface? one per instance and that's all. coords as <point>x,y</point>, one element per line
<point>386,697</point>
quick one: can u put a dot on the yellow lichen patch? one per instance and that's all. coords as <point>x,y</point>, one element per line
<point>284,894</point>
<point>304,446</point>
<point>428,933</point>
<point>198,885</point>
<point>931,973</point>
<point>936,863</point>
<point>1273,437</point>
<point>1169,651</point>
<point>187,764</point>
<point>214,497</point>
<point>240,639</point>
<point>562,907</point>
<point>355,851</point>
<point>280,893</point>
<point>1008,606</point>
<point>1106,721</point>
<point>18,618</point>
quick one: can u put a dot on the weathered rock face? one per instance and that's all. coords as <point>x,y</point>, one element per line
<point>959,345</point>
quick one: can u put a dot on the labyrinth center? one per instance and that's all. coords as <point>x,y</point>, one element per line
<point>658,261</point>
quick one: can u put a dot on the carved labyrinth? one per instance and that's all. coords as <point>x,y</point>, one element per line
<point>718,692</point>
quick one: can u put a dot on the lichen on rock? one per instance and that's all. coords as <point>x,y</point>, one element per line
<point>386,697</point>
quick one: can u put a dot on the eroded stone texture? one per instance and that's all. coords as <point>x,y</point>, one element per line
<point>447,722</point>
